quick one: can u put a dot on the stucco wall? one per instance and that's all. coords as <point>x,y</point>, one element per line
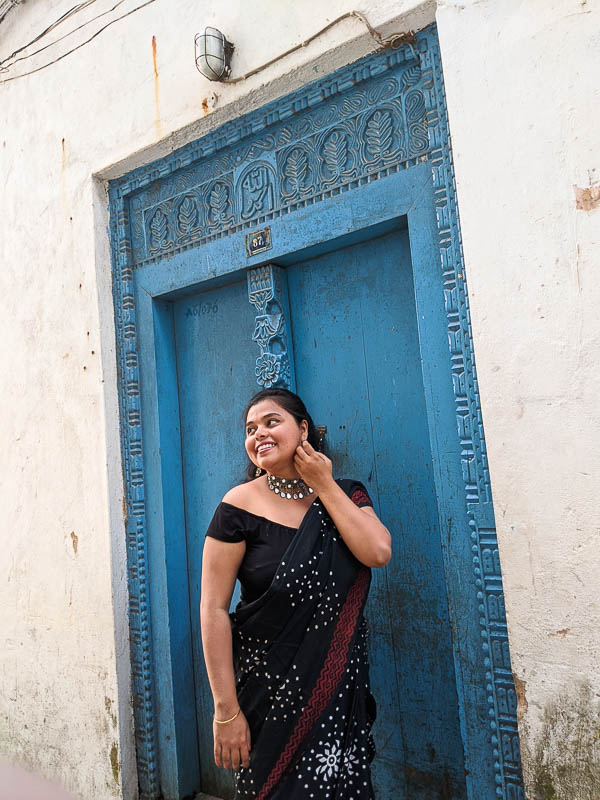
<point>523,104</point>
<point>521,85</point>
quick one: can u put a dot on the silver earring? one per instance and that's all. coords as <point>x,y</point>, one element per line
<point>258,472</point>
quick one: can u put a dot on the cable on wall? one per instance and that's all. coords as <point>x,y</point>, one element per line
<point>393,41</point>
<point>4,68</point>
<point>67,15</point>
<point>82,44</point>
<point>6,6</point>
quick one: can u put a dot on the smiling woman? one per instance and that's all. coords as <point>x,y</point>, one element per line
<point>288,669</point>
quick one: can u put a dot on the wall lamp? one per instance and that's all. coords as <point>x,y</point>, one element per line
<point>213,51</point>
<point>213,54</point>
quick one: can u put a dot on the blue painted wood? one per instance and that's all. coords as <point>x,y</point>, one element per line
<point>334,160</point>
<point>355,332</point>
<point>331,305</point>
<point>348,138</point>
<point>352,215</point>
<point>493,638</point>
<point>141,644</point>
<point>154,282</point>
<point>213,388</point>
<point>447,472</point>
<point>267,291</point>
<point>167,557</point>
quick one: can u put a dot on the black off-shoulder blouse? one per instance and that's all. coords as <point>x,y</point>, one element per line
<point>266,541</point>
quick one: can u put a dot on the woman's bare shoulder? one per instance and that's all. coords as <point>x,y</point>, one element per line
<point>244,495</point>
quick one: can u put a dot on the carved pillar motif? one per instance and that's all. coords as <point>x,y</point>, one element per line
<point>267,291</point>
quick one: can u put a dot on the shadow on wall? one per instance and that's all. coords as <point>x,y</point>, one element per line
<point>565,764</point>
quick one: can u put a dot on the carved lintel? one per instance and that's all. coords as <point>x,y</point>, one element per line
<point>267,291</point>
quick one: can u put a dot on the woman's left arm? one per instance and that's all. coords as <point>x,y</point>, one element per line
<point>366,536</point>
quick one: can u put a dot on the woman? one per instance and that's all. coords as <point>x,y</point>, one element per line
<point>288,670</point>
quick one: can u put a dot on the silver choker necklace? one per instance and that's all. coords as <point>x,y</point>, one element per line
<point>288,489</point>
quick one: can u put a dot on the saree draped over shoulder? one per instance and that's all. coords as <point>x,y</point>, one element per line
<point>302,675</point>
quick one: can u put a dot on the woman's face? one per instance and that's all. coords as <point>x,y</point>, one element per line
<point>272,436</point>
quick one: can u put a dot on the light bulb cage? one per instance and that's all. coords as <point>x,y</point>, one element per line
<point>213,54</point>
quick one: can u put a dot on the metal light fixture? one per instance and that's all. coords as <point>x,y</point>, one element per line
<point>213,54</point>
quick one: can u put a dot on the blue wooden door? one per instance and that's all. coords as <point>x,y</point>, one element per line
<point>358,366</point>
<point>215,368</point>
<point>213,388</point>
<point>380,342</point>
<point>355,332</point>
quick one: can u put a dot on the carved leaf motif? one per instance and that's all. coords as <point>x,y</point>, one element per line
<point>352,103</point>
<point>286,135</point>
<point>218,201</point>
<point>260,298</point>
<point>419,138</point>
<point>158,229</point>
<point>415,105</point>
<point>411,76</point>
<point>335,152</point>
<point>296,168</point>
<point>380,91</point>
<point>187,215</point>
<point>417,123</point>
<point>379,133</point>
<point>267,326</point>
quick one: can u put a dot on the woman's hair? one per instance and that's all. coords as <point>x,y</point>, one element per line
<point>291,403</point>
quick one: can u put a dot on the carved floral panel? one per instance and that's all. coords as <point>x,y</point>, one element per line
<point>364,132</point>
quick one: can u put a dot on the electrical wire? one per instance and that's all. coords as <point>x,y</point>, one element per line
<point>4,68</point>
<point>6,6</point>
<point>82,44</point>
<point>393,41</point>
<point>67,15</point>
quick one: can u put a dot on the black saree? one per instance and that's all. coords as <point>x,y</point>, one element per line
<point>302,675</point>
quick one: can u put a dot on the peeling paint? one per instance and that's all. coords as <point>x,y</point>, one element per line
<point>208,104</point>
<point>109,710</point>
<point>114,762</point>
<point>124,510</point>
<point>587,199</point>
<point>565,764</point>
<point>522,704</point>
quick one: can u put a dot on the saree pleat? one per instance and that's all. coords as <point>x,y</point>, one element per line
<point>300,654</point>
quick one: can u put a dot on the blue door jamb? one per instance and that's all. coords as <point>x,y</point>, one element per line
<point>379,125</point>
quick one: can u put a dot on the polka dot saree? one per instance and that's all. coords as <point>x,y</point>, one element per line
<point>300,653</point>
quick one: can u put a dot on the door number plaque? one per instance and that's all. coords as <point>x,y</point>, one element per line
<point>258,241</point>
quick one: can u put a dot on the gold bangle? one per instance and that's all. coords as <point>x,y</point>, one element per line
<point>225,721</point>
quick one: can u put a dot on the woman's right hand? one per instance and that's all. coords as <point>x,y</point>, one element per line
<point>232,743</point>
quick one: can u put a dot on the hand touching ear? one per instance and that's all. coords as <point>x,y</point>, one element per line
<point>313,467</point>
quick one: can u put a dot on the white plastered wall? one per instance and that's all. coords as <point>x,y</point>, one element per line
<point>521,87</point>
<point>524,104</point>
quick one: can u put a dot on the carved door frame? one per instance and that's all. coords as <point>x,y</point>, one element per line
<point>381,116</point>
